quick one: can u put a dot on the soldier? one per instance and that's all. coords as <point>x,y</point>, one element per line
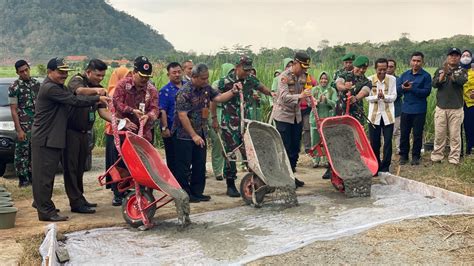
<point>21,97</point>
<point>48,134</point>
<point>358,85</point>
<point>231,117</point>
<point>347,66</point>
<point>286,108</point>
<point>218,159</point>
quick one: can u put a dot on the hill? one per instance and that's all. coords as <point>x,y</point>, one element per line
<point>41,29</point>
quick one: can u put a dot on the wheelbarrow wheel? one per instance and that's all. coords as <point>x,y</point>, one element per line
<point>247,186</point>
<point>130,211</point>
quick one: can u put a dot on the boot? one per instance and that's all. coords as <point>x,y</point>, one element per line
<point>231,189</point>
<point>23,181</point>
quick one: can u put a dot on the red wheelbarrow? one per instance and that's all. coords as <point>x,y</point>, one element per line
<point>351,158</point>
<point>144,172</point>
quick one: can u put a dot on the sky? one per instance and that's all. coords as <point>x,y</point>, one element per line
<point>206,26</point>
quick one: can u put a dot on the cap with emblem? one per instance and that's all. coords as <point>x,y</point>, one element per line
<point>302,58</point>
<point>58,63</point>
<point>348,57</point>
<point>143,66</point>
<point>245,62</point>
<point>361,61</point>
<point>454,50</point>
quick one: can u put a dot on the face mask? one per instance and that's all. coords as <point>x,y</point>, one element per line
<point>466,60</point>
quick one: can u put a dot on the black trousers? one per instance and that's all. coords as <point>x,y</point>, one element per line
<point>409,122</point>
<point>111,156</point>
<point>190,166</point>
<point>170,154</point>
<point>44,164</point>
<point>291,136</point>
<point>74,163</point>
<point>375,134</point>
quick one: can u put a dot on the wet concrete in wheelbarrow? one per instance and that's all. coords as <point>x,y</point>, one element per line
<point>347,161</point>
<point>271,156</point>
<point>243,234</point>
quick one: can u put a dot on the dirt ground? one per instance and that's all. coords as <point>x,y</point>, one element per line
<point>427,240</point>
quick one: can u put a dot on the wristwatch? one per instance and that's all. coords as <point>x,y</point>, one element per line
<point>164,128</point>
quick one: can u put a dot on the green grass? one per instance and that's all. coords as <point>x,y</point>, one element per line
<point>265,75</point>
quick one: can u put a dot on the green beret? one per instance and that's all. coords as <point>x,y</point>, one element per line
<point>348,57</point>
<point>361,61</point>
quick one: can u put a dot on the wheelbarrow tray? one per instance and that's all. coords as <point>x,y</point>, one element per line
<point>147,167</point>
<point>341,161</point>
<point>266,154</point>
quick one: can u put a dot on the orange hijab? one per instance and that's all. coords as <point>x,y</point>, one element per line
<point>117,75</point>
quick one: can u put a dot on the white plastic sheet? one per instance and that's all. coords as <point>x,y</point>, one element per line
<point>49,246</point>
<point>243,234</point>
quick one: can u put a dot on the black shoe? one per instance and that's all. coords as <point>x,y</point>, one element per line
<point>403,160</point>
<point>415,161</point>
<point>83,209</point>
<point>203,197</point>
<point>293,169</point>
<point>90,205</point>
<point>219,177</point>
<point>231,189</point>
<point>34,206</point>
<point>194,199</point>
<point>327,174</point>
<point>24,183</point>
<point>55,218</point>
<point>117,201</point>
<point>299,183</point>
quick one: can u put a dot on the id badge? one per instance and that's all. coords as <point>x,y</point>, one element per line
<point>91,116</point>
<point>205,113</point>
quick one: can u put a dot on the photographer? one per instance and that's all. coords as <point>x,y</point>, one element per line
<point>449,114</point>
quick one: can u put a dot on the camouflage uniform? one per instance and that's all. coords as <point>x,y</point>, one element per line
<point>231,117</point>
<point>23,93</point>
<point>358,83</point>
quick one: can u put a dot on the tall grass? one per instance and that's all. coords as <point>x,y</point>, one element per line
<point>265,72</point>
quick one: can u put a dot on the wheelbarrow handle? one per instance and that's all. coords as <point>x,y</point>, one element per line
<point>242,115</point>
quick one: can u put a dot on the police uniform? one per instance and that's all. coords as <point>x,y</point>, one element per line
<point>286,108</point>
<point>23,94</point>
<point>48,137</point>
<point>81,120</point>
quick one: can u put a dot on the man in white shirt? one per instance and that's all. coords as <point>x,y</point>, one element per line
<point>382,112</point>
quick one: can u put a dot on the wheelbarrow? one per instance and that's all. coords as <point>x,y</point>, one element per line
<point>351,158</point>
<point>144,172</point>
<point>267,162</point>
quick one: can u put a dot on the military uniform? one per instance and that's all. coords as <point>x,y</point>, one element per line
<point>81,120</point>
<point>231,117</point>
<point>23,94</point>
<point>359,83</point>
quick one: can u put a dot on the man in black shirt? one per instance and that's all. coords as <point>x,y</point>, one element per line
<point>49,134</point>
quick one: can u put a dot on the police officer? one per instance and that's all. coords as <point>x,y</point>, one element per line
<point>21,97</point>
<point>286,109</point>
<point>231,116</point>
<point>48,137</point>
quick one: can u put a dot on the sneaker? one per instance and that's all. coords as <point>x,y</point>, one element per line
<point>415,161</point>
<point>403,160</point>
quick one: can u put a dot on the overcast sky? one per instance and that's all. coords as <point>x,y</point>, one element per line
<point>205,26</point>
